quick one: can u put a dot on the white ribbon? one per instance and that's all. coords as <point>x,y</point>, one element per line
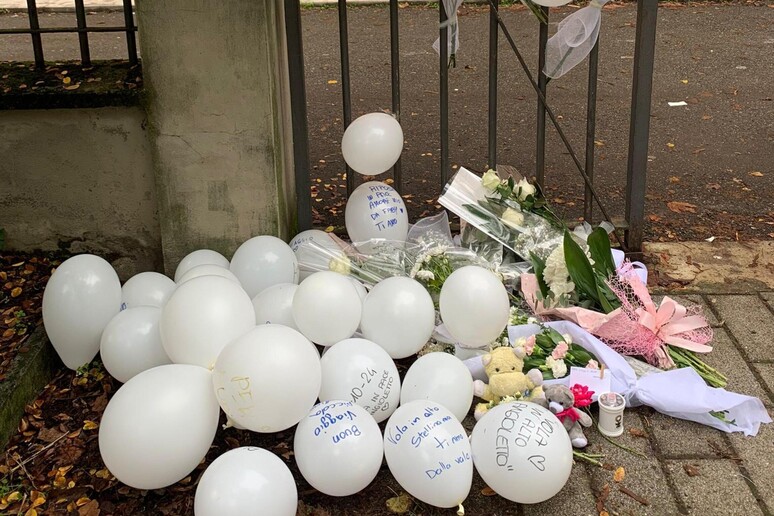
<point>453,34</point>
<point>573,41</point>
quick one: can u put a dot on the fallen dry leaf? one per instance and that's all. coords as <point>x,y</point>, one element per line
<point>636,432</point>
<point>90,509</point>
<point>488,491</point>
<point>756,173</point>
<point>90,425</point>
<point>681,207</point>
<point>400,504</point>
<point>691,470</point>
<point>619,474</point>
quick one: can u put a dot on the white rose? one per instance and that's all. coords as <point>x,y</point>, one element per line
<point>490,180</point>
<point>425,275</point>
<point>524,188</point>
<point>512,218</point>
<point>340,264</point>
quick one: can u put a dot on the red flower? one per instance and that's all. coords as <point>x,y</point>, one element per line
<point>582,395</point>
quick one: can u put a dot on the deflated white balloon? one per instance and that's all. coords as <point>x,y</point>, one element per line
<point>159,426</point>
<point>81,297</point>
<point>264,261</point>
<point>372,143</point>
<point>360,371</point>
<point>147,289</point>
<point>522,451</point>
<point>208,269</point>
<point>202,316</point>
<point>399,315</point>
<point>442,378</point>
<point>131,343</point>
<point>327,308</point>
<point>375,210</point>
<point>474,306</point>
<point>247,481</point>
<point>268,379</point>
<point>199,257</point>
<point>338,448</point>
<point>275,305</point>
<point>428,453</point>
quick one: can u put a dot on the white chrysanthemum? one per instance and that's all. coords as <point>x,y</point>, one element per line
<point>425,275</point>
<point>567,338</point>
<point>556,275</point>
<point>558,367</point>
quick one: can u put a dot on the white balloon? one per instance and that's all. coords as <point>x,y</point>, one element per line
<point>81,297</point>
<point>264,261</point>
<point>199,257</point>
<point>131,343</point>
<point>375,210</point>
<point>159,426</point>
<point>248,481</point>
<point>147,289</point>
<point>275,305</point>
<point>268,379</point>
<point>474,306</point>
<point>327,308</point>
<point>522,451</point>
<point>360,371</point>
<point>442,378</point>
<point>552,3</point>
<point>372,143</point>
<point>202,316</point>
<point>428,453</point>
<point>361,290</point>
<point>399,315</point>
<point>338,448</point>
<point>208,269</point>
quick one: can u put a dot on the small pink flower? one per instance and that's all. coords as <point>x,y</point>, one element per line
<point>560,350</point>
<point>592,364</point>
<point>529,345</point>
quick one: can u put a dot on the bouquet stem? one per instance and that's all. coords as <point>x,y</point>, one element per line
<point>591,458</point>
<point>684,358</point>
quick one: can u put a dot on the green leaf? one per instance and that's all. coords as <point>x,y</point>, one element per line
<point>581,272</point>
<point>539,265</point>
<point>599,247</point>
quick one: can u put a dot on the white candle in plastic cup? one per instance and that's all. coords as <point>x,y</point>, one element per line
<point>611,408</point>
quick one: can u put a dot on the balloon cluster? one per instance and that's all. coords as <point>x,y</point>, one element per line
<point>243,336</point>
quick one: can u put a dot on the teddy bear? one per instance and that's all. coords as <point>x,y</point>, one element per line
<point>564,403</point>
<point>504,366</point>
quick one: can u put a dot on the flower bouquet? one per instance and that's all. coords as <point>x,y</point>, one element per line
<point>514,213</point>
<point>552,352</point>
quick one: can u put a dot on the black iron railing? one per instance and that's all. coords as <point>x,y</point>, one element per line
<point>639,116</point>
<point>81,28</point>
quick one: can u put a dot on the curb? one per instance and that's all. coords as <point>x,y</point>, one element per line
<point>29,373</point>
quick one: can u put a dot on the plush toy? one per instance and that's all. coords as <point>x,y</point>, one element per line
<point>507,382</point>
<point>564,402</point>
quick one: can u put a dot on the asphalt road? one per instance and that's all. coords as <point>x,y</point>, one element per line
<point>716,153</point>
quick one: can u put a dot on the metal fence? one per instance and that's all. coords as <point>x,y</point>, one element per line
<point>35,31</point>
<point>639,122</point>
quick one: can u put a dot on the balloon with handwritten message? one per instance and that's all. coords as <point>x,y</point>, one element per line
<point>428,453</point>
<point>522,451</point>
<point>360,371</point>
<point>372,143</point>
<point>267,379</point>
<point>375,210</point>
<point>442,378</point>
<point>248,481</point>
<point>338,448</point>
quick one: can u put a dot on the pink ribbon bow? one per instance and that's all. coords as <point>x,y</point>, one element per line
<point>669,320</point>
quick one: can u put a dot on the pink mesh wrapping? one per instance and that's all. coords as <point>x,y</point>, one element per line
<point>629,334</point>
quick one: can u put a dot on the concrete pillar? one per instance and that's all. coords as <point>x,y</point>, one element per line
<point>216,83</point>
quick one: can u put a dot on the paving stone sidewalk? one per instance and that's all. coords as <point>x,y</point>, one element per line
<point>687,468</point>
